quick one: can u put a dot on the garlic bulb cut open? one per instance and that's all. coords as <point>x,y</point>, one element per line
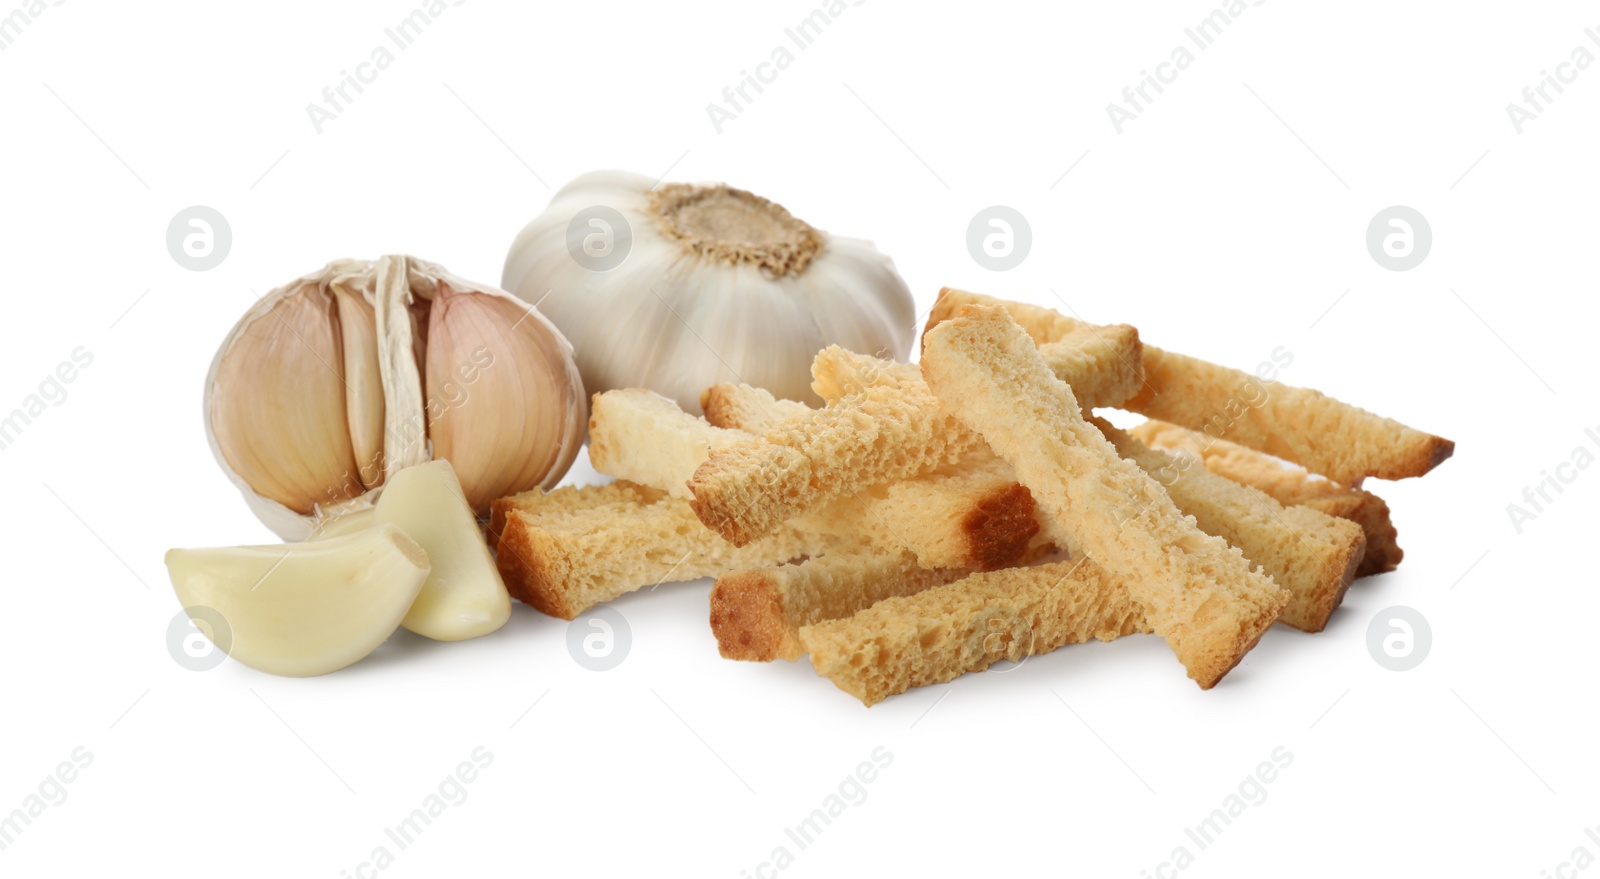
<point>304,609</point>
<point>463,596</point>
<point>678,287</point>
<point>342,378</point>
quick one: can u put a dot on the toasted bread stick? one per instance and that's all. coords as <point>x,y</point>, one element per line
<point>1310,554</point>
<point>1197,592</point>
<point>1289,485</point>
<point>1340,441</point>
<point>569,499</point>
<point>883,435</point>
<point>1102,364</point>
<point>975,518</point>
<point>643,437</point>
<point>757,615</point>
<point>943,632</point>
<point>563,564</point>
<point>753,410</point>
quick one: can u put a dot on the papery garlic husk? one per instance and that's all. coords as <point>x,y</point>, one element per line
<point>338,380</point>
<point>716,285</point>
<point>304,609</point>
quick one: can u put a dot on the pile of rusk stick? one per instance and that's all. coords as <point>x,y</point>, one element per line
<point>935,518</point>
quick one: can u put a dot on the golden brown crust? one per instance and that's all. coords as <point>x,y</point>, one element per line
<point>1000,527</point>
<point>565,564</point>
<point>941,633</point>
<point>1198,593</point>
<point>757,615</point>
<point>879,435</point>
<point>1289,485</point>
<point>747,617</point>
<point>1309,553</point>
<point>567,499</point>
<point>1341,441</point>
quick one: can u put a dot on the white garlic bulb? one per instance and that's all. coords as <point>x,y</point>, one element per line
<point>339,379</point>
<point>678,287</point>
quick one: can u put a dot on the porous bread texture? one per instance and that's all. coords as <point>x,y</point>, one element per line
<point>1290,485</point>
<point>941,633</point>
<point>568,499</point>
<point>750,409</point>
<point>1309,553</point>
<point>1197,592</point>
<point>878,436</point>
<point>1102,364</point>
<point>976,517</point>
<point>757,615</point>
<point>1343,442</point>
<point>641,436</point>
<point>563,564</point>
<point>979,519</point>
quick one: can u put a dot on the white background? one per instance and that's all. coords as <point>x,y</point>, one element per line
<point>1210,223</point>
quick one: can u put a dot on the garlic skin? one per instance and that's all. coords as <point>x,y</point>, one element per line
<point>717,285</point>
<point>334,382</point>
<point>305,609</point>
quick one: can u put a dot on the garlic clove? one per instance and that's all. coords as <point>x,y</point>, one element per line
<point>305,609</point>
<point>505,403</point>
<point>278,412</point>
<point>358,326</point>
<point>342,523</point>
<point>464,596</point>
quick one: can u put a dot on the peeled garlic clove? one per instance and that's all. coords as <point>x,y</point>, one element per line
<point>358,327</point>
<point>305,609</point>
<point>464,596</point>
<point>505,402</point>
<point>342,523</point>
<point>278,416</point>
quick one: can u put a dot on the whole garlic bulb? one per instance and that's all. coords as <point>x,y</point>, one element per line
<point>339,379</point>
<point>678,287</point>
